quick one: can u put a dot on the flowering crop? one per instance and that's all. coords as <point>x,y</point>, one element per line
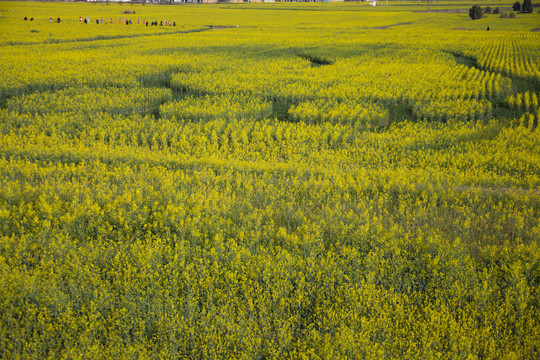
<point>87,100</point>
<point>233,107</point>
<point>320,181</point>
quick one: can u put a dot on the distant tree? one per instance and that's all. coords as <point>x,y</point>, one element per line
<point>496,11</point>
<point>487,10</point>
<point>475,12</point>
<point>517,6</point>
<point>527,6</point>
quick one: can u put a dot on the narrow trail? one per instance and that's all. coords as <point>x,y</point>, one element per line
<point>389,26</point>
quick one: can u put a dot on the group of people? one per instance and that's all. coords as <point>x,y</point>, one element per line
<point>165,22</point>
<point>50,19</point>
<point>86,20</point>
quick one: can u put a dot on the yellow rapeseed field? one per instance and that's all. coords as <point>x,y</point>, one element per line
<point>269,181</point>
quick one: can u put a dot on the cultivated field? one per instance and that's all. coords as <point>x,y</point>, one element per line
<point>260,181</point>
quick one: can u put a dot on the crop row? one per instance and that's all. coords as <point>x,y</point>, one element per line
<point>514,56</point>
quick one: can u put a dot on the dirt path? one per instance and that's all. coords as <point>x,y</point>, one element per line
<point>389,26</point>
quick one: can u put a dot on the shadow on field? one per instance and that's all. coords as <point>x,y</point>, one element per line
<point>315,60</point>
<point>463,59</point>
<point>280,110</point>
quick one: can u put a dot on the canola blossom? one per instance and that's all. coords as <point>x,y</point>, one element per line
<point>268,181</point>
<point>88,100</point>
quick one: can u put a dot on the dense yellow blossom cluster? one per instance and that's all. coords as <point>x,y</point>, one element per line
<point>288,181</point>
<point>91,100</point>
<point>231,107</point>
<point>330,110</point>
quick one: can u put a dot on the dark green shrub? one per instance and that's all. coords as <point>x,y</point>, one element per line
<point>487,10</point>
<point>517,6</point>
<point>475,12</point>
<point>505,15</point>
<point>496,11</point>
<point>527,6</point>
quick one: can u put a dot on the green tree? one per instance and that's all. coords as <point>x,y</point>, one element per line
<point>517,6</point>
<point>475,12</point>
<point>527,6</point>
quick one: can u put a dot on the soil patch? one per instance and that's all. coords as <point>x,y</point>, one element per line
<point>220,27</point>
<point>389,26</point>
